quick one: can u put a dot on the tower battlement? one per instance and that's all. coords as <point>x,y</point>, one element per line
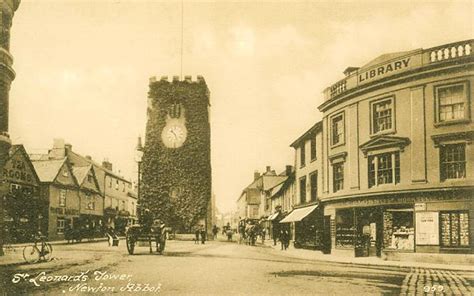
<point>177,79</point>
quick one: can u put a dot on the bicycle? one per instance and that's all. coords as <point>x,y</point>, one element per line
<point>33,253</point>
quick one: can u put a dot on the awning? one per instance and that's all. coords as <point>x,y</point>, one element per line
<point>299,214</point>
<point>272,217</point>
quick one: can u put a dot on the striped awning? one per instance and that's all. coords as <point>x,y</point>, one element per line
<point>299,214</point>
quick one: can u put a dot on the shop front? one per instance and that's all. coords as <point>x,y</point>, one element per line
<point>416,224</point>
<point>305,225</point>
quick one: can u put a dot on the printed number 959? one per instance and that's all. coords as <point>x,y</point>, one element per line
<point>433,288</point>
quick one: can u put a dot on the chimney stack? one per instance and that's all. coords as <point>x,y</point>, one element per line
<point>107,165</point>
<point>59,149</point>
<point>88,157</point>
<point>269,168</point>
<point>289,169</point>
<point>256,175</point>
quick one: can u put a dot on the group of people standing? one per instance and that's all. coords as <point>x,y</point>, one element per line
<point>200,234</point>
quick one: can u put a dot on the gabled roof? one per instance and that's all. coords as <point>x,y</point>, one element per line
<point>271,181</point>
<point>47,170</point>
<point>18,148</point>
<point>81,173</point>
<point>380,142</point>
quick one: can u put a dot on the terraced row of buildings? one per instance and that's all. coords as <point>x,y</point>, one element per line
<point>388,171</point>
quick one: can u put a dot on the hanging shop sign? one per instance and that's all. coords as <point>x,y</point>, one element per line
<point>427,228</point>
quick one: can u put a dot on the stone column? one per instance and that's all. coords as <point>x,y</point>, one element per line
<point>8,8</point>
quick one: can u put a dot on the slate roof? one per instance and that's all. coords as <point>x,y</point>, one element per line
<point>387,57</point>
<point>316,128</point>
<point>38,156</point>
<point>47,170</point>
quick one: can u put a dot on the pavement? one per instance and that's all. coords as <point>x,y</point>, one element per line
<point>367,261</point>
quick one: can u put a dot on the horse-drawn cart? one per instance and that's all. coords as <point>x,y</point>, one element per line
<point>139,233</point>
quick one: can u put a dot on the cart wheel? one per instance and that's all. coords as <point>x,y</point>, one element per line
<point>130,244</point>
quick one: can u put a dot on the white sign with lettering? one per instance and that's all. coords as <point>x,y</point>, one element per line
<point>427,228</point>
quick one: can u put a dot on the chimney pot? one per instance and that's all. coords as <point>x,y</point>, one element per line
<point>107,165</point>
<point>256,175</point>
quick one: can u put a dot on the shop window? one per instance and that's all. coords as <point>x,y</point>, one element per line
<point>338,176</point>
<point>452,103</point>
<point>313,147</point>
<point>302,190</point>
<point>314,185</point>
<point>302,155</point>
<point>62,197</point>
<point>399,230</point>
<point>345,228</point>
<point>382,116</point>
<point>384,169</point>
<point>254,212</point>
<point>60,223</point>
<point>337,129</point>
<point>453,161</point>
<point>454,228</point>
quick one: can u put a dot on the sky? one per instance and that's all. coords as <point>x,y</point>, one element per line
<point>83,68</point>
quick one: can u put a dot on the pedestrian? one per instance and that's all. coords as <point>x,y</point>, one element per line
<point>263,233</point>
<point>196,234</point>
<point>284,239</point>
<point>276,234</point>
<point>214,232</point>
<point>203,235</point>
<point>147,220</point>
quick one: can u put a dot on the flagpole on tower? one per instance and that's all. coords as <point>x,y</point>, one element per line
<point>182,37</point>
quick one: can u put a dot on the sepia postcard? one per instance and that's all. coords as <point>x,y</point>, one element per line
<point>190,147</point>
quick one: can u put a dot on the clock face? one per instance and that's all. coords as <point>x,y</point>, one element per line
<point>174,135</point>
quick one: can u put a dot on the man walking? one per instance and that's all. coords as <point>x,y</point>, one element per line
<point>196,234</point>
<point>203,234</point>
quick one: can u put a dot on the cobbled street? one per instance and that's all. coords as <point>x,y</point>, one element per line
<point>218,268</point>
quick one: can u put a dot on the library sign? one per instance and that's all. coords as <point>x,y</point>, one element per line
<point>392,67</point>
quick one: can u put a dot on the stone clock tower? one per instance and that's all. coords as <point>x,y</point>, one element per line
<point>176,166</point>
<point>8,8</point>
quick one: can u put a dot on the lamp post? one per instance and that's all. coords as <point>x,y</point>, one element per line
<point>138,159</point>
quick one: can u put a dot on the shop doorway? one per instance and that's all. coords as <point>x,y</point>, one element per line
<point>369,232</point>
